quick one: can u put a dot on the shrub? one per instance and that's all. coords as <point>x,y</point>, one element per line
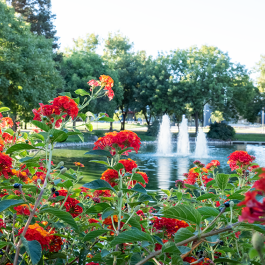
<point>153,129</point>
<point>221,131</point>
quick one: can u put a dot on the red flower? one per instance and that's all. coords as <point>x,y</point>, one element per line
<point>123,139</point>
<point>6,122</point>
<point>169,225</point>
<point>5,166</point>
<point>140,213</point>
<point>239,159</point>
<point>92,263</point>
<point>159,246</point>
<point>2,224</point>
<point>128,164</point>
<point>92,220</point>
<point>22,209</point>
<point>93,83</point>
<point>103,193</point>
<point>254,210</point>
<point>78,164</point>
<point>56,242</point>
<point>110,175</point>
<point>36,232</point>
<point>66,104</point>
<point>212,165</point>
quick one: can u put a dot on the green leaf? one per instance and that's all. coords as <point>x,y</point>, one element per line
<point>108,212</point>
<point>58,136</point>
<point>169,247</point>
<point>98,208</point>
<point>89,126</point>
<point>68,94</point>
<point>3,244</point>
<point>222,180</point>
<point>182,234</point>
<point>57,255</point>
<point>131,236</point>
<point>207,196</point>
<point>99,162</point>
<point>98,153</point>
<point>4,109</point>
<point>37,136</point>
<point>256,227</point>
<point>138,178</point>
<point>144,198</point>
<point>183,212</point>
<point>125,150</point>
<point>98,184</point>
<point>41,125</point>
<point>19,147</point>
<point>90,114</point>
<point>62,215</point>
<point>5,204</point>
<point>183,249</point>
<point>118,166</point>
<point>33,248</point>
<point>82,92</point>
<point>82,116</point>
<point>69,176</point>
<point>94,234</point>
<point>208,211</point>
<point>108,119</point>
<point>136,257</point>
<point>253,253</point>
<point>167,192</point>
<point>177,260</point>
<point>237,196</point>
<point>190,186</point>
<point>210,183</point>
<point>82,256</point>
<point>77,100</point>
<point>139,188</point>
<point>227,260</point>
<point>10,131</point>
<point>132,221</point>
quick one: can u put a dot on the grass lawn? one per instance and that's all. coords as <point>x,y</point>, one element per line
<point>250,137</point>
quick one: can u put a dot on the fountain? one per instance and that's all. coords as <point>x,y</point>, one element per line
<point>183,138</point>
<point>201,149</point>
<point>164,145</point>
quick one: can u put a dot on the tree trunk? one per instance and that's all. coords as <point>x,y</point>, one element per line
<point>196,121</point>
<point>25,126</point>
<point>14,118</point>
<point>74,124</point>
<point>111,126</point>
<point>148,121</point>
<point>123,120</point>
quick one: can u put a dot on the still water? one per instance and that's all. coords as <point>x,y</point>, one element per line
<point>161,170</point>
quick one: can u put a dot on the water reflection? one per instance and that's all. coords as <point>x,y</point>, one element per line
<point>162,171</point>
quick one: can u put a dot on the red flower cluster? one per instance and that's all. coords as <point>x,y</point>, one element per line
<point>123,139</point>
<point>78,164</point>
<point>212,165</point>
<point>61,105</point>
<point>71,204</point>
<point>169,225</point>
<point>36,232</point>
<point>108,82</point>
<point>2,224</point>
<point>240,159</point>
<point>5,166</point>
<point>128,164</point>
<point>22,209</point>
<point>55,242</point>
<point>103,193</point>
<point>6,122</point>
<point>110,175</point>
<point>193,176</point>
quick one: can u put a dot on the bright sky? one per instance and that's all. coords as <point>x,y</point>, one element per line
<point>234,26</point>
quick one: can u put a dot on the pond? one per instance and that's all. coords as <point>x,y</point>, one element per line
<point>161,170</point>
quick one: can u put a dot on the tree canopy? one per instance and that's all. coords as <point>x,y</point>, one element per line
<point>27,70</point>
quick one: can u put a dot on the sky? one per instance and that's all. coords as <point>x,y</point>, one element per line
<point>234,26</point>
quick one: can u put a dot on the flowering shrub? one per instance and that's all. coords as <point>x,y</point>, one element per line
<point>208,218</point>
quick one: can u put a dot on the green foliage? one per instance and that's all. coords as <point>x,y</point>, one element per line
<point>153,129</point>
<point>221,131</point>
<point>28,75</point>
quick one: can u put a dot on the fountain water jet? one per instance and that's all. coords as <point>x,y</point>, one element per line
<point>164,145</point>
<point>183,138</point>
<point>201,149</point>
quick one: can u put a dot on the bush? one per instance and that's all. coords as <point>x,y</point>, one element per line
<point>221,131</point>
<point>153,129</point>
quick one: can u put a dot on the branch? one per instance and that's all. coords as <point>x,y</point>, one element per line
<point>193,238</point>
<point>195,246</point>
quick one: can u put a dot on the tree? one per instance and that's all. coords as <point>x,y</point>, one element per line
<point>118,55</point>
<point>80,67</point>
<point>152,86</point>
<point>38,14</point>
<point>206,75</point>
<point>27,70</point>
